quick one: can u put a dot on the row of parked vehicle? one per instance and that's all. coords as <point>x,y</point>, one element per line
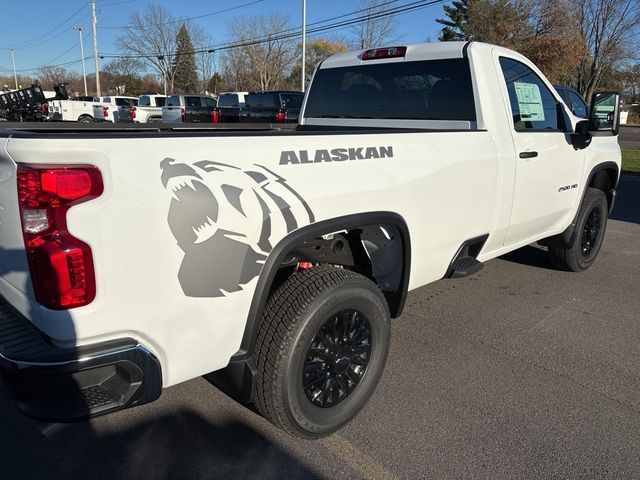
<point>228,107</point>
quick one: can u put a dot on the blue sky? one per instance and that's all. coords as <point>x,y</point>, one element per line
<point>46,36</point>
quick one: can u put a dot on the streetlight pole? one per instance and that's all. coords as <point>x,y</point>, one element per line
<point>304,40</point>
<point>164,73</point>
<point>212,51</point>
<point>95,47</point>
<point>84,72</point>
<point>15,75</point>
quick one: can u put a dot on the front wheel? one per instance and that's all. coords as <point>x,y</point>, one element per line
<point>321,349</point>
<point>591,225</point>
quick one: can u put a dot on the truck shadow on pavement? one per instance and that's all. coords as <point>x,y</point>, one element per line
<point>627,207</point>
<point>531,256</point>
<point>181,444</point>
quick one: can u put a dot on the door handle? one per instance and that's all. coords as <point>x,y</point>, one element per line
<point>528,154</point>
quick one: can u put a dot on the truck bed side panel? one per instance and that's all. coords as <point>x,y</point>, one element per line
<point>184,225</point>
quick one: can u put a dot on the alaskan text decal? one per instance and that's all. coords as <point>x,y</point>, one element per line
<point>291,157</point>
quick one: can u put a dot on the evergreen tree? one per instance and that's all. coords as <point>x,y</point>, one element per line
<point>184,63</point>
<point>454,28</point>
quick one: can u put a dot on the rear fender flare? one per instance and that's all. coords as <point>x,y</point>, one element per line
<point>297,237</point>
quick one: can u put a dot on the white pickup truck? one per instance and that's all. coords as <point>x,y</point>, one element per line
<point>148,110</point>
<point>107,110</point>
<point>135,259</point>
<point>72,110</point>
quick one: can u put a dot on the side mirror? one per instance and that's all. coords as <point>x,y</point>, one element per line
<point>581,137</point>
<point>604,117</point>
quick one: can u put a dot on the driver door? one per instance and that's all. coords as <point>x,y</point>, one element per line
<point>548,168</point>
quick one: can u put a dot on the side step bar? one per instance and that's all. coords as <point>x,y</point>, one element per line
<point>465,261</point>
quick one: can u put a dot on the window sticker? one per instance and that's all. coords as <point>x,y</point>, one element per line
<point>529,101</point>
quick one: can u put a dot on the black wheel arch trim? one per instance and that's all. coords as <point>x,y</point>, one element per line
<point>566,238</point>
<point>268,273</point>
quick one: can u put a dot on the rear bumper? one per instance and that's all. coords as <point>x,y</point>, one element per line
<point>65,385</point>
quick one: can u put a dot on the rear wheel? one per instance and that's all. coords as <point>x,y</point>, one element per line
<point>591,225</point>
<point>85,119</point>
<point>321,349</point>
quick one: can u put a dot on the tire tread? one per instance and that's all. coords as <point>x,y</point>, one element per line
<point>282,317</point>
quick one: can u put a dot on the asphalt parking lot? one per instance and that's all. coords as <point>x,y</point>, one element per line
<point>517,372</point>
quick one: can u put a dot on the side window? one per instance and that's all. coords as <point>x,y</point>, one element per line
<point>144,101</point>
<point>578,106</point>
<point>173,101</point>
<point>209,102</point>
<point>532,105</point>
<point>192,101</point>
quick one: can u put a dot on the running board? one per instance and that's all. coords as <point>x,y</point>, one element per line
<point>465,261</point>
<point>465,266</point>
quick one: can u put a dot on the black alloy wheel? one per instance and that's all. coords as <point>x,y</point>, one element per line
<point>590,227</point>
<point>320,350</point>
<point>591,231</point>
<point>337,358</point>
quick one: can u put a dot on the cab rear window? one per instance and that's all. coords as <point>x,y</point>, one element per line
<point>260,100</point>
<point>425,90</point>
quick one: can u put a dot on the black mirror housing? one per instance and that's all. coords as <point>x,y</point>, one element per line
<point>581,137</point>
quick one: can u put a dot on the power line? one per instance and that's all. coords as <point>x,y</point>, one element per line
<point>84,37</point>
<point>182,20</point>
<point>283,35</point>
<point>293,32</point>
<point>39,39</point>
<point>60,65</point>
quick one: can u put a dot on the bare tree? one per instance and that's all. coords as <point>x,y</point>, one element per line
<point>205,55</point>
<point>611,32</point>
<point>124,76</point>
<point>372,31</point>
<point>546,31</point>
<point>317,51</point>
<point>50,75</point>
<point>151,36</point>
<point>260,57</point>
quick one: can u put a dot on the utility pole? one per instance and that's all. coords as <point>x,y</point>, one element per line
<point>95,47</point>
<point>15,75</point>
<point>84,72</point>
<point>304,40</point>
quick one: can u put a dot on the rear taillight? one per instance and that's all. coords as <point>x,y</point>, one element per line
<point>215,116</point>
<point>44,108</point>
<point>61,265</point>
<point>183,114</point>
<point>105,111</point>
<point>281,116</point>
<point>390,52</point>
<point>132,113</point>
